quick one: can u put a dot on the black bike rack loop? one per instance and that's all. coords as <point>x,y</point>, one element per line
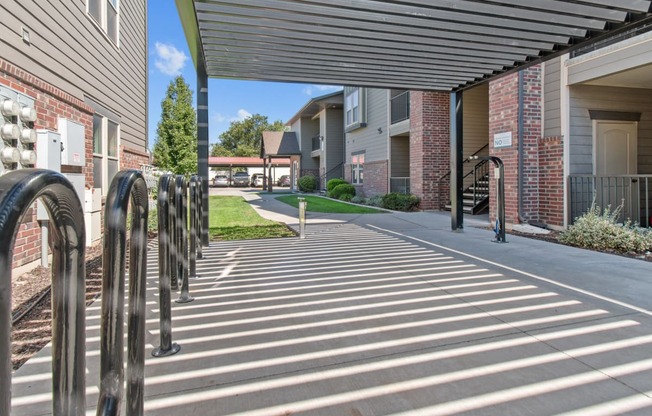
<point>18,190</point>
<point>166,191</point>
<point>181,203</point>
<point>128,185</point>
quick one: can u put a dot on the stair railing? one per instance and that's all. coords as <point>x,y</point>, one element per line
<point>126,186</point>
<point>18,190</point>
<point>448,174</point>
<point>322,178</point>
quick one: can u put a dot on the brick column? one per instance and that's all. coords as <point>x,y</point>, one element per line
<point>429,147</point>
<point>503,117</point>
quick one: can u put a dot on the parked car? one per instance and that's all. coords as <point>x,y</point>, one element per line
<point>284,180</point>
<point>257,180</point>
<point>241,179</point>
<point>221,180</point>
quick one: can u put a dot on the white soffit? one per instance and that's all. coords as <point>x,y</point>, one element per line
<point>417,44</point>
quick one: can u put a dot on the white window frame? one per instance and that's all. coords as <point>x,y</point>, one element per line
<point>357,168</point>
<point>353,107</point>
<point>103,22</point>
<point>104,155</point>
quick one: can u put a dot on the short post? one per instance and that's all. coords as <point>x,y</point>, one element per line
<point>302,217</point>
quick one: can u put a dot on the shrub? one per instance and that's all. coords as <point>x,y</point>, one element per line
<point>600,230</point>
<point>400,202</point>
<point>346,197</point>
<point>343,189</point>
<point>307,183</point>
<point>375,201</point>
<point>330,185</point>
<point>359,200</point>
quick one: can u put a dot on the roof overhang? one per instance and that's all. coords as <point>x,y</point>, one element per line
<point>414,44</point>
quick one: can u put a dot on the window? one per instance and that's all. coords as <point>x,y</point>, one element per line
<point>106,14</point>
<point>352,106</point>
<point>357,168</point>
<point>105,151</point>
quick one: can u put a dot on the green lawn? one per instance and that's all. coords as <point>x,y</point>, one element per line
<point>232,218</point>
<point>319,204</point>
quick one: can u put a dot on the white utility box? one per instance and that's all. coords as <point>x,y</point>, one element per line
<point>93,215</point>
<point>48,156</point>
<point>72,138</point>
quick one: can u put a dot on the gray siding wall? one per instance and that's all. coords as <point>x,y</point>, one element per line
<point>367,138</point>
<point>551,98</point>
<point>334,133</point>
<point>400,157</point>
<point>476,119</point>
<point>69,51</point>
<point>308,129</point>
<point>584,98</point>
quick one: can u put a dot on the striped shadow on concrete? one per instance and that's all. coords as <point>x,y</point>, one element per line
<point>350,321</point>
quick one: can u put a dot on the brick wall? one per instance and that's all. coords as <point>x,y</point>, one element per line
<point>551,181</point>
<point>50,104</point>
<point>132,158</point>
<point>503,117</point>
<point>375,179</point>
<point>429,146</point>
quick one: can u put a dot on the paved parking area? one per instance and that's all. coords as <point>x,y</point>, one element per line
<point>392,314</point>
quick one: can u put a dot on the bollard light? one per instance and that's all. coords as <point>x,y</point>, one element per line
<point>302,217</point>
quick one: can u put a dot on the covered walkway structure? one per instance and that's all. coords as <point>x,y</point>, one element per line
<point>443,45</point>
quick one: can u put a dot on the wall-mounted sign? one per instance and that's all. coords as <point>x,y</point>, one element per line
<point>503,140</point>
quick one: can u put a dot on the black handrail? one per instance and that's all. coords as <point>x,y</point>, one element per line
<point>126,185</point>
<point>500,196</point>
<point>18,190</point>
<point>322,185</point>
<point>166,188</point>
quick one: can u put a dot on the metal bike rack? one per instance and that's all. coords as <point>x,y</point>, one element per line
<point>18,190</point>
<point>166,187</point>
<point>127,185</point>
<point>195,224</point>
<point>499,175</point>
<point>181,203</point>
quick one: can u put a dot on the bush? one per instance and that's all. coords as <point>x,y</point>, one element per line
<point>359,200</point>
<point>375,201</point>
<point>600,230</point>
<point>307,183</point>
<point>343,189</point>
<point>346,197</point>
<point>330,185</point>
<point>400,202</point>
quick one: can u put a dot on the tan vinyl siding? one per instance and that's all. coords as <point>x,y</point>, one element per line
<point>400,157</point>
<point>551,98</point>
<point>368,139</point>
<point>476,119</point>
<point>69,51</point>
<point>584,98</point>
<point>334,129</point>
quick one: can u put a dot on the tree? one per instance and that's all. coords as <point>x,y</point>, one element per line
<point>176,142</point>
<point>243,137</point>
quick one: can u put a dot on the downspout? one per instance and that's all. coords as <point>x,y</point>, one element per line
<point>521,123</point>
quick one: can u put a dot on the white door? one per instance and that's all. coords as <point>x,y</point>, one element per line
<point>615,156</point>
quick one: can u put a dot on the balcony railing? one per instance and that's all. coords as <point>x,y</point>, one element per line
<point>399,185</point>
<point>316,143</point>
<point>400,107</point>
<point>633,192</point>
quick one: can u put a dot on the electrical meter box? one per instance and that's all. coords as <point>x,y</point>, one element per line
<point>48,156</point>
<point>72,139</point>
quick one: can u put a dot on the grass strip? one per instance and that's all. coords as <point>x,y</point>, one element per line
<point>327,205</point>
<point>232,218</point>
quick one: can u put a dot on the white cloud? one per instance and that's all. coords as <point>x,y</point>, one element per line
<point>313,89</point>
<point>242,114</point>
<point>169,60</point>
<point>219,118</point>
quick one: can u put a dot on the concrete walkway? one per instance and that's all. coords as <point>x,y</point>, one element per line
<point>393,314</point>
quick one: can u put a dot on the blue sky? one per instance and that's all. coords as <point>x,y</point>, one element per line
<point>228,100</point>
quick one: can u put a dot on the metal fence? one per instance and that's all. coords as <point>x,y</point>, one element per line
<point>632,192</point>
<point>399,185</point>
<point>400,107</point>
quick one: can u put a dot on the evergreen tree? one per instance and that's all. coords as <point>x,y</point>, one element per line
<point>175,149</point>
<point>243,137</point>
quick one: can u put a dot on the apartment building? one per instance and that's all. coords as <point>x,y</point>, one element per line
<point>75,71</point>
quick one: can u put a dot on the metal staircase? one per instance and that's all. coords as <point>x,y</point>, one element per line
<point>476,187</point>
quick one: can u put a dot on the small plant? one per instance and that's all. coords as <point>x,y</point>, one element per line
<point>359,200</point>
<point>400,202</point>
<point>343,189</point>
<point>600,230</point>
<point>375,201</point>
<point>331,184</point>
<point>346,197</point>
<point>307,183</point>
